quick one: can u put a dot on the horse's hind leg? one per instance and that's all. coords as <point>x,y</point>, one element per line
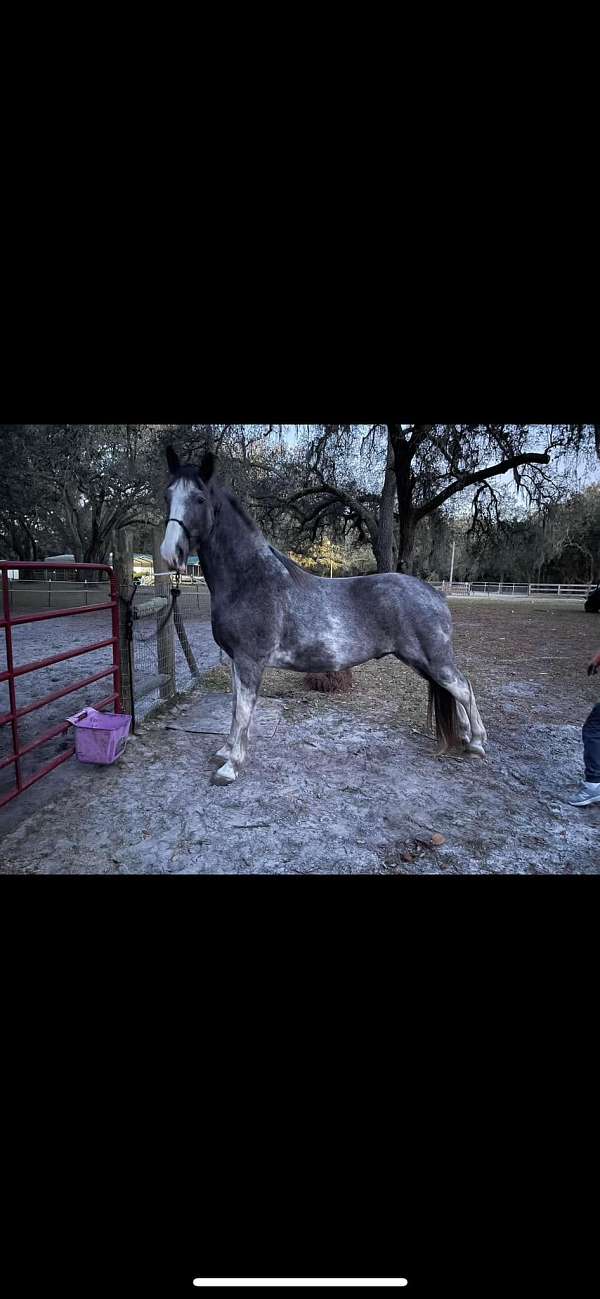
<point>471,728</point>
<point>441,668</point>
<point>479,733</point>
<point>247,678</point>
<point>469,724</point>
<point>435,660</point>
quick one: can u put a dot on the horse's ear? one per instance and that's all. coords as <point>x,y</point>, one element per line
<point>208,466</point>
<point>173,460</point>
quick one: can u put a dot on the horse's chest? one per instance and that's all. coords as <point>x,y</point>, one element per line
<point>245,624</point>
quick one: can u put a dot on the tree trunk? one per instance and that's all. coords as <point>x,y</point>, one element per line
<point>408,527</point>
<point>384,545</point>
<point>405,484</point>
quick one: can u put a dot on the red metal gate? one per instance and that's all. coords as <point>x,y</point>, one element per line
<point>8,621</point>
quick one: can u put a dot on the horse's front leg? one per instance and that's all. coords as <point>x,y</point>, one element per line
<point>247,678</point>
<point>224,753</point>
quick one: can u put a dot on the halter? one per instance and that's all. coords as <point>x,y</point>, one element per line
<point>181,525</point>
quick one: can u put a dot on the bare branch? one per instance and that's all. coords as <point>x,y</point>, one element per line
<point>469,480</point>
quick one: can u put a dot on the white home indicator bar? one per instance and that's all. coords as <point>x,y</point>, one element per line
<point>301,1281</point>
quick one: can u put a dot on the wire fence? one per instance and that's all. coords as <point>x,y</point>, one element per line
<point>169,654</point>
<point>35,597</point>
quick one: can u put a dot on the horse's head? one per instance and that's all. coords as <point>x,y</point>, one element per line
<point>190,508</point>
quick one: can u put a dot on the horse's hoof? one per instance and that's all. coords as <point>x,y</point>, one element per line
<point>225,775</point>
<point>475,750</point>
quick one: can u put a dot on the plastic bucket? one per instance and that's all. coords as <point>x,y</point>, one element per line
<point>100,737</point>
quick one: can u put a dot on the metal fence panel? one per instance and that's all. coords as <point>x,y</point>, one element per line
<point>38,612</point>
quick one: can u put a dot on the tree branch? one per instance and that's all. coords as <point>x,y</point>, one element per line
<point>345,498</point>
<point>469,480</point>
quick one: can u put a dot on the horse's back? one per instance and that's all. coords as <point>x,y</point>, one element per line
<point>397,588</point>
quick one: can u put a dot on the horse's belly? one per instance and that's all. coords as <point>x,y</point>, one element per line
<point>304,661</point>
<point>320,656</point>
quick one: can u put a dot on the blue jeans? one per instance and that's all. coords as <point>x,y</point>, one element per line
<point>591,746</point>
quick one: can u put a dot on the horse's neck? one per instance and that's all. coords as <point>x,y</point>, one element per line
<point>232,545</point>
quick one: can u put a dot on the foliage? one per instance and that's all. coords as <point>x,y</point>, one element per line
<point>339,497</point>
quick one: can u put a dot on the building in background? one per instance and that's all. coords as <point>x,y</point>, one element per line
<point>58,574</point>
<point>143,569</point>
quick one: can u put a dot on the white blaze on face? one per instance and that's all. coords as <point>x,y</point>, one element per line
<point>175,547</point>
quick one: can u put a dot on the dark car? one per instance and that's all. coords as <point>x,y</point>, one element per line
<point>592,604</point>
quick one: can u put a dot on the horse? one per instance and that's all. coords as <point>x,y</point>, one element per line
<point>267,611</point>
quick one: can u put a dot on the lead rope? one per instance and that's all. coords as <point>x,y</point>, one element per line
<point>129,621</point>
<point>175,593</point>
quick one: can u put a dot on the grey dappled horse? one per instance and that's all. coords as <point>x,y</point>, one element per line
<point>268,612</point>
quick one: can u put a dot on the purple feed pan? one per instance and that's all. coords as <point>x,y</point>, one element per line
<point>100,737</point>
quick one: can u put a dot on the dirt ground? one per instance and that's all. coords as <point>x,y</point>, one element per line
<point>351,784</point>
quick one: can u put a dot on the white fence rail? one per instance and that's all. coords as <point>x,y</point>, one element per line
<point>566,590</point>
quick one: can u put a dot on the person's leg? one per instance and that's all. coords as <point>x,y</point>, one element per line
<point>590,789</point>
<point>591,746</point>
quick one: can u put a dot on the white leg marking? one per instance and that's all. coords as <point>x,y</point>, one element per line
<point>246,703</point>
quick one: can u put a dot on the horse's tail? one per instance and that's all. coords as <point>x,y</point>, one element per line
<point>443,705</point>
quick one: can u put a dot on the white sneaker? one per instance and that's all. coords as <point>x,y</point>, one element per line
<point>589,793</point>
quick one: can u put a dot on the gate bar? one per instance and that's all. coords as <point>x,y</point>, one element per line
<point>63,757</point>
<point>51,735</point>
<point>8,622</point>
<point>57,694</point>
<point>12,694</point>
<point>57,658</point>
<point>57,613</point>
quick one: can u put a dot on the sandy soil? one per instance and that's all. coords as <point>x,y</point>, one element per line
<point>350,784</point>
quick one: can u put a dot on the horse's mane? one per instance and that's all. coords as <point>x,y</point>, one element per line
<point>239,509</point>
<point>299,574</point>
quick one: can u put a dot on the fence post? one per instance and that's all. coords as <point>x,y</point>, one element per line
<point>123,566</point>
<point>166,637</point>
